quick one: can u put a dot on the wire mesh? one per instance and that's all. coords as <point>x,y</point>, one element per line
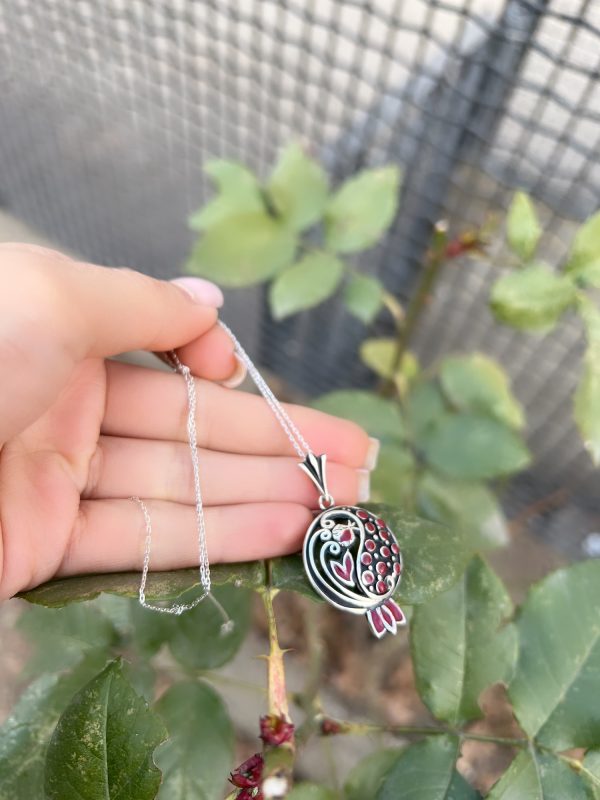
<point>109,110</point>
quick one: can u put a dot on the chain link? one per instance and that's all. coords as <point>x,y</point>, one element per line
<point>297,440</point>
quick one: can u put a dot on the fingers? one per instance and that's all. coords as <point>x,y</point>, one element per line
<point>210,356</point>
<point>110,535</point>
<point>102,311</point>
<point>163,471</point>
<point>149,404</point>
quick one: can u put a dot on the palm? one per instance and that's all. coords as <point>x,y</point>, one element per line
<point>43,473</point>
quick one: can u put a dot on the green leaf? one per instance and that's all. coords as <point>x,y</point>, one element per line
<point>24,736</point>
<point>533,298</point>
<point>298,188</point>
<point>377,415</point>
<point>424,408</point>
<point>434,557</point>
<point>195,638</point>
<point>362,209</point>
<point>538,776</point>
<point>104,742</point>
<point>426,771</point>
<point>160,586</point>
<point>243,250</point>
<point>239,193</point>
<point>311,791</point>
<point>478,383</point>
<point>587,396</point>
<point>306,284</point>
<point>591,775</point>
<point>470,506</point>
<point>472,447</point>
<point>365,779</point>
<point>379,355</point>
<point>461,644</point>
<point>61,637</point>
<point>584,259</point>
<point>433,554</point>
<point>393,479</point>
<point>198,755</point>
<point>363,296</point>
<point>555,688</point>
<point>522,227</point>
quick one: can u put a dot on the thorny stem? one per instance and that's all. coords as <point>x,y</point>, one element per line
<point>279,760</point>
<point>362,728</point>
<point>433,262</point>
<point>276,690</point>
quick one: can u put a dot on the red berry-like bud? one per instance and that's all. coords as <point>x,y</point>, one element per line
<point>275,730</point>
<point>329,727</point>
<point>248,774</point>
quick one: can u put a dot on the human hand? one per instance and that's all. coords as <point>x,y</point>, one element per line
<point>80,434</point>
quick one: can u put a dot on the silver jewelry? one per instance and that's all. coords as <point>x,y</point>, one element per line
<point>351,557</point>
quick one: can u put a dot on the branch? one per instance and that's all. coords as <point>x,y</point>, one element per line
<point>331,727</point>
<point>276,729</point>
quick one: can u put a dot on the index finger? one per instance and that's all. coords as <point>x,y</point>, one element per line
<point>148,404</point>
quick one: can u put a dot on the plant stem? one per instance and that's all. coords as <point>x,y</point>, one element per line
<point>276,690</point>
<point>362,728</point>
<point>431,268</point>
<point>278,759</point>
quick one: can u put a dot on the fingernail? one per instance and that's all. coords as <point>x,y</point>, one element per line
<point>372,453</point>
<point>364,485</point>
<point>238,376</point>
<point>204,292</point>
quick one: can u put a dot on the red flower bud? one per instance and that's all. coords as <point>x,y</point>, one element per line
<point>247,775</point>
<point>275,730</point>
<point>329,727</point>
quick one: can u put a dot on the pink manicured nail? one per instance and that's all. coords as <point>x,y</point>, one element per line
<point>364,485</point>
<point>372,454</point>
<point>238,376</point>
<point>204,292</point>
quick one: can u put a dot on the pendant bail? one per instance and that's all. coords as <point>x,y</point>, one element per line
<point>314,466</point>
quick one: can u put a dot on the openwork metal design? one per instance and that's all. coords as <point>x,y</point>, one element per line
<point>353,561</point>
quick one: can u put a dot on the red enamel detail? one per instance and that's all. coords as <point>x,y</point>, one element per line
<point>384,533</point>
<point>376,620</point>
<point>345,568</point>
<point>362,514</point>
<point>395,548</point>
<point>368,578</point>
<point>395,609</point>
<point>370,527</point>
<point>385,552</point>
<point>381,523</point>
<point>397,569</point>
<point>381,587</point>
<point>370,545</point>
<point>366,558</point>
<point>346,536</point>
<point>381,568</point>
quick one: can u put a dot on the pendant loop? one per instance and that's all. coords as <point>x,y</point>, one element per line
<point>314,466</point>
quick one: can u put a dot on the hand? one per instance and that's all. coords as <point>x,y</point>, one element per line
<point>80,434</point>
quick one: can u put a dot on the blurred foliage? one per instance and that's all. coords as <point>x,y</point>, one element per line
<point>293,231</point>
<point>535,297</point>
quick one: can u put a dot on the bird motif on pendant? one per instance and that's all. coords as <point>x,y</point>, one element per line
<point>353,561</point>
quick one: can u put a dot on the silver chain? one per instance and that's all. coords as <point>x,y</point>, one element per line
<point>297,440</point>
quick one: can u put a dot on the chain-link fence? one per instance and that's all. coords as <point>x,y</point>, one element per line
<point>109,109</point>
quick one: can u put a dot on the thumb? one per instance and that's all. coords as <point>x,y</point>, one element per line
<point>103,311</point>
<point>127,310</point>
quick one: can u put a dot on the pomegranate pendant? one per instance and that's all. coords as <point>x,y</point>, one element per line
<point>352,558</point>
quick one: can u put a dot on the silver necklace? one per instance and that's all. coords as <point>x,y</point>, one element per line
<point>351,557</point>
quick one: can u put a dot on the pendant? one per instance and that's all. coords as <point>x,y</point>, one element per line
<point>352,558</point>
